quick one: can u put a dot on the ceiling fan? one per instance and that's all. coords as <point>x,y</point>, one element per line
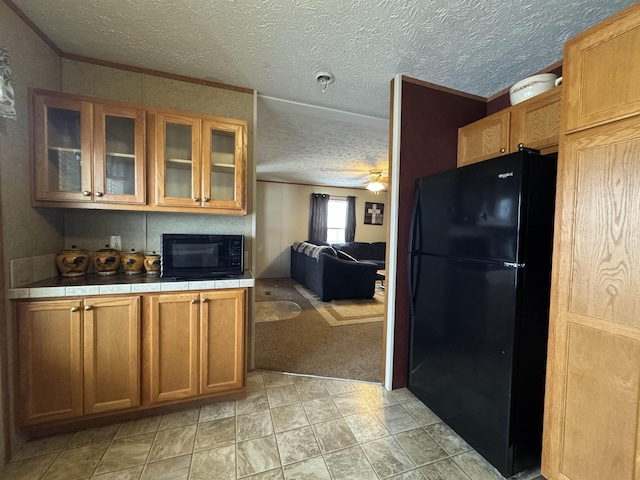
<point>377,181</point>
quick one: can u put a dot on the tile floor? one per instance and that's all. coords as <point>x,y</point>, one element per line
<point>288,427</point>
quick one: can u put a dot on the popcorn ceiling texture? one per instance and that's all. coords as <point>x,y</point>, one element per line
<point>277,46</point>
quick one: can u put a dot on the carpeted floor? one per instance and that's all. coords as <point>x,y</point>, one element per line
<point>297,333</point>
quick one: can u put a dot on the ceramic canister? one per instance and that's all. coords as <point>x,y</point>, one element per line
<point>106,261</point>
<point>73,262</point>
<point>132,262</point>
<point>152,263</point>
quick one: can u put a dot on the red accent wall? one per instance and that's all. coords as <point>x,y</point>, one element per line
<point>428,144</point>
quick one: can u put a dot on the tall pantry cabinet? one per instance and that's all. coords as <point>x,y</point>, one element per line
<point>592,407</point>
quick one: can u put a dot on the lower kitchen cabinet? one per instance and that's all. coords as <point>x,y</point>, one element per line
<point>77,357</point>
<point>193,344</point>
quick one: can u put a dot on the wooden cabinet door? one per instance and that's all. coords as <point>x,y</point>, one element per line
<point>170,346</point>
<point>111,353</point>
<point>62,149</point>
<point>49,360</point>
<point>592,405</point>
<point>178,160</point>
<point>601,72</point>
<point>118,154</point>
<point>222,327</point>
<point>224,165</point>
<point>536,122</point>
<point>487,138</point>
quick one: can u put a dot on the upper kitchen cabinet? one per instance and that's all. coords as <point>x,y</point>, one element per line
<point>602,73</point>
<point>87,152</point>
<point>484,139</point>
<point>534,123</point>
<point>200,162</point>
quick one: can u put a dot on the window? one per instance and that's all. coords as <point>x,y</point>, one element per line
<point>337,220</point>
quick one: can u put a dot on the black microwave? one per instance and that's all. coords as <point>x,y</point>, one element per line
<point>201,256</point>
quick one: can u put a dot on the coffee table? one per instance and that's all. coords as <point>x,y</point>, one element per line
<point>380,275</point>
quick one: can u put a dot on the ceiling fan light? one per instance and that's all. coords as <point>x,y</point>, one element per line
<point>375,186</point>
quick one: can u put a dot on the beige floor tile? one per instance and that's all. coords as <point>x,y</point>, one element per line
<point>284,395</point>
<point>218,463</point>
<point>297,445</point>
<point>29,468</point>
<point>449,440</point>
<point>379,398</point>
<point>396,418</point>
<point>477,467</point>
<point>313,468</point>
<point>333,435</point>
<point>349,464</point>
<point>274,379</point>
<point>125,453</point>
<point>338,387</point>
<point>216,433</point>
<point>403,395</point>
<point>321,410</point>
<point>180,419</point>
<point>366,427</point>
<point>93,436</point>
<point>254,402</point>
<point>253,425</point>
<point>176,468</point>
<point>257,456</point>
<point>420,412</point>
<point>445,469</point>
<point>215,411</point>
<point>172,443</point>
<point>43,445</point>
<point>126,474</point>
<point>351,403</point>
<point>77,463</point>
<point>387,457</point>
<point>411,475</point>
<point>420,446</point>
<point>288,417</point>
<point>270,475</point>
<point>311,390</point>
<point>139,427</point>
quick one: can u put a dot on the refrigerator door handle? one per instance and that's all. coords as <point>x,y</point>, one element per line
<point>416,227</point>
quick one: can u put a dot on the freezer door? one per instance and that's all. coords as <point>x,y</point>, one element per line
<point>473,211</point>
<point>462,349</point>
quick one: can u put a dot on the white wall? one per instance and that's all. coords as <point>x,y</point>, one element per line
<point>282,216</point>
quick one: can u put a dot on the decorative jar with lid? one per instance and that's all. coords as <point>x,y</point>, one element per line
<point>72,262</point>
<point>132,262</point>
<point>152,263</point>
<point>106,261</point>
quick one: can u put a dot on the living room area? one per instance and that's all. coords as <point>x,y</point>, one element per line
<point>319,307</point>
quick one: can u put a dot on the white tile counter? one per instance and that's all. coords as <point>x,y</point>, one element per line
<point>93,284</point>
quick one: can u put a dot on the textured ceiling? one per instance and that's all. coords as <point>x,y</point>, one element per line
<point>277,46</point>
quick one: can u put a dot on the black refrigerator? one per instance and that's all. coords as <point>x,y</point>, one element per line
<point>480,267</point>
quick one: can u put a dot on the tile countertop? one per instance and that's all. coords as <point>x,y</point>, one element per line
<point>93,284</point>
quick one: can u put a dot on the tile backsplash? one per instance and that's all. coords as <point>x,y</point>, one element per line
<point>32,269</point>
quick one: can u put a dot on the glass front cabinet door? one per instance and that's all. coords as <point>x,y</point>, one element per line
<point>88,152</point>
<point>200,162</point>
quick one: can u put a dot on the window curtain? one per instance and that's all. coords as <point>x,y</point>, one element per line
<point>318,216</point>
<point>350,228</point>
<point>7,98</point>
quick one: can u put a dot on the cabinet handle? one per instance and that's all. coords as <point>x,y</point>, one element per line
<point>99,194</point>
<point>87,307</point>
<point>205,199</point>
<point>502,150</point>
<point>86,193</point>
<point>193,302</point>
<point>205,300</point>
<point>74,309</point>
<point>196,199</point>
